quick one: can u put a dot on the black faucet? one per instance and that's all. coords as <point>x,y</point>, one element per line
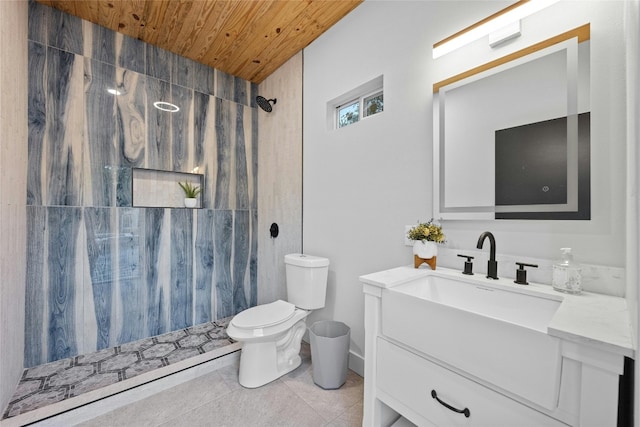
<point>492,265</point>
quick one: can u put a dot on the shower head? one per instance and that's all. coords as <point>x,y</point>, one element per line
<point>264,103</point>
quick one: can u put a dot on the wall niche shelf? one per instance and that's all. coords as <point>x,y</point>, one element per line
<point>154,188</point>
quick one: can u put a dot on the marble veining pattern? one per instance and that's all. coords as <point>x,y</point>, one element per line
<point>103,272</point>
<point>69,377</point>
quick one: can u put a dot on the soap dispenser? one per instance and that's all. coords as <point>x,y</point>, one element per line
<point>567,274</point>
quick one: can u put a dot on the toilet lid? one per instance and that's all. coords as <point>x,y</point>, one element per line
<point>264,315</point>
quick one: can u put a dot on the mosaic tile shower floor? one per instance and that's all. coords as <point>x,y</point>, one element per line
<point>54,382</point>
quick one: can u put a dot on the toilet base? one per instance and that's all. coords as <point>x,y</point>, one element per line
<point>263,362</point>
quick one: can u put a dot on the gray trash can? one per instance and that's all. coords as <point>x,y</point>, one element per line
<point>329,353</point>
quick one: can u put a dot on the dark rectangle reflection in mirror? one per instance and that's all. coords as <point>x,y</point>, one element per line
<point>531,169</point>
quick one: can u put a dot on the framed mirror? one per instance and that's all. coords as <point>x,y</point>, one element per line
<point>512,137</point>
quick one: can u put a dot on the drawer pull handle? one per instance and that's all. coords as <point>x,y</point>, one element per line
<point>464,411</point>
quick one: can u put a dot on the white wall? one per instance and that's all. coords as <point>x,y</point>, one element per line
<point>632,33</point>
<point>13,191</point>
<point>279,177</point>
<point>363,183</point>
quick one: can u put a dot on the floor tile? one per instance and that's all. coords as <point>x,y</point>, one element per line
<point>271,405</point>
<point>165,405</point>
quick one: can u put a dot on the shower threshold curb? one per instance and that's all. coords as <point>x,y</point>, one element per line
<point>71,403</point>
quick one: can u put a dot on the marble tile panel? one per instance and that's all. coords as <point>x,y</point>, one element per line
<point>224,85</point>
<point>153,224</point>
<point>99,118</point>
<point>64,32</point>
<point>124,186</point>
<point>254,158</point>
<point>181,268</point>
<point>241,90</point>
<point>241,247</point>
<point>63,225</point>
<point>181,136</point>
<point>35,307</point>
<point>158,63</point>
<point>131,117</point>
<point>253,261</point>
<point>241,169</point>
<point>101,250</point>
<point>64,136</point>
<point>254,91</point>
<point>206,146</point>
<point>182,70</point>
<point>222,251</point>
<point>224,126</point>
<point>200,114</point>
<point>158,150</point>
<point>203,78</point>
<point>38,22</point>
<point>132,295</point>
<point>204,266</point>
<point>99,43</point>
<point>130,53</point>
<point>37,120</point>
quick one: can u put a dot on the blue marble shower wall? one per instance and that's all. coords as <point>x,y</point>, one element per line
<point>102,272</point>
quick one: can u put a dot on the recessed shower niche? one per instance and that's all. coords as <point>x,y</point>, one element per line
<point>160,189</point>
<point>512,136</point>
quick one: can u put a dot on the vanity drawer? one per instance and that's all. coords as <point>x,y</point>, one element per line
<point>412,380</point>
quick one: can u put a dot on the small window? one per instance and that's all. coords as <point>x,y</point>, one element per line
<point>373,104</point>
<point>349,114</point>
<point>369,105</point>
<point>358,104</point>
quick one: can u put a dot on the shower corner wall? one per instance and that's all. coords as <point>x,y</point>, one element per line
<point>102,271</point>
<point>280,177</point>
<point>13,178</point>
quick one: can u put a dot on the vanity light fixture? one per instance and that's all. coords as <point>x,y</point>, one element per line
<point>166,106</point>
<point>496,22</point>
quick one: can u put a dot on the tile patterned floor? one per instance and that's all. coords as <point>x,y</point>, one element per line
<point>217,399</point>
<point>63,379</point>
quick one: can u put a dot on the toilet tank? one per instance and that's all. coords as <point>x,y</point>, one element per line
<point>306,277</point>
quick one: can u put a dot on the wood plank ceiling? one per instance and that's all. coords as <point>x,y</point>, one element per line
<point>245,38</point>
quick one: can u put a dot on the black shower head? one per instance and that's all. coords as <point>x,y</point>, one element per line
<point>264,103</point>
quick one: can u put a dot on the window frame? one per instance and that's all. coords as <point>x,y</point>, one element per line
<point>360,100</point>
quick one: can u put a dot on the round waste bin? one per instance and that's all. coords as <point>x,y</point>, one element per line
<point>329,353</point>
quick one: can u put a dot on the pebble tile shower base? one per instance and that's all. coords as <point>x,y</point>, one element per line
<point>67,378</point>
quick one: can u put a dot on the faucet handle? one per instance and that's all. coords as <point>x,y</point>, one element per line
<point>521,273</point>
<point>468,264</point>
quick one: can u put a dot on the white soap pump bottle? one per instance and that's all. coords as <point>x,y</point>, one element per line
<point>567,274</point>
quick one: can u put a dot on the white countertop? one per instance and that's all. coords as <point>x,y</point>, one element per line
<point>602,321</point>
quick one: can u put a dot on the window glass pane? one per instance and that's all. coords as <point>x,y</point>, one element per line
<point>373,104</point>
<point>348,114</point>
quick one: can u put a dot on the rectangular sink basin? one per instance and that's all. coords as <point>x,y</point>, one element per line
<point>494,334</point>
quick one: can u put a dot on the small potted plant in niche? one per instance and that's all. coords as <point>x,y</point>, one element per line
<point>190,194</point>
<point>425,237</point>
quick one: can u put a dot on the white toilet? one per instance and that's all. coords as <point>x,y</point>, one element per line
<point>271,333</point>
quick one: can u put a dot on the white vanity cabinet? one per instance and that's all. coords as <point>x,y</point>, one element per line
<point>406,376</point>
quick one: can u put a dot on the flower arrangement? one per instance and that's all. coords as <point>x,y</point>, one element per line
<point>429,231</point>
<point>190,191</point>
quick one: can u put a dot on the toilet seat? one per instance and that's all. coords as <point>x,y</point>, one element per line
<point>264,315</point>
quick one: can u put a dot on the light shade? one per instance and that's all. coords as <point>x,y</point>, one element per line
<point>490,24</point>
